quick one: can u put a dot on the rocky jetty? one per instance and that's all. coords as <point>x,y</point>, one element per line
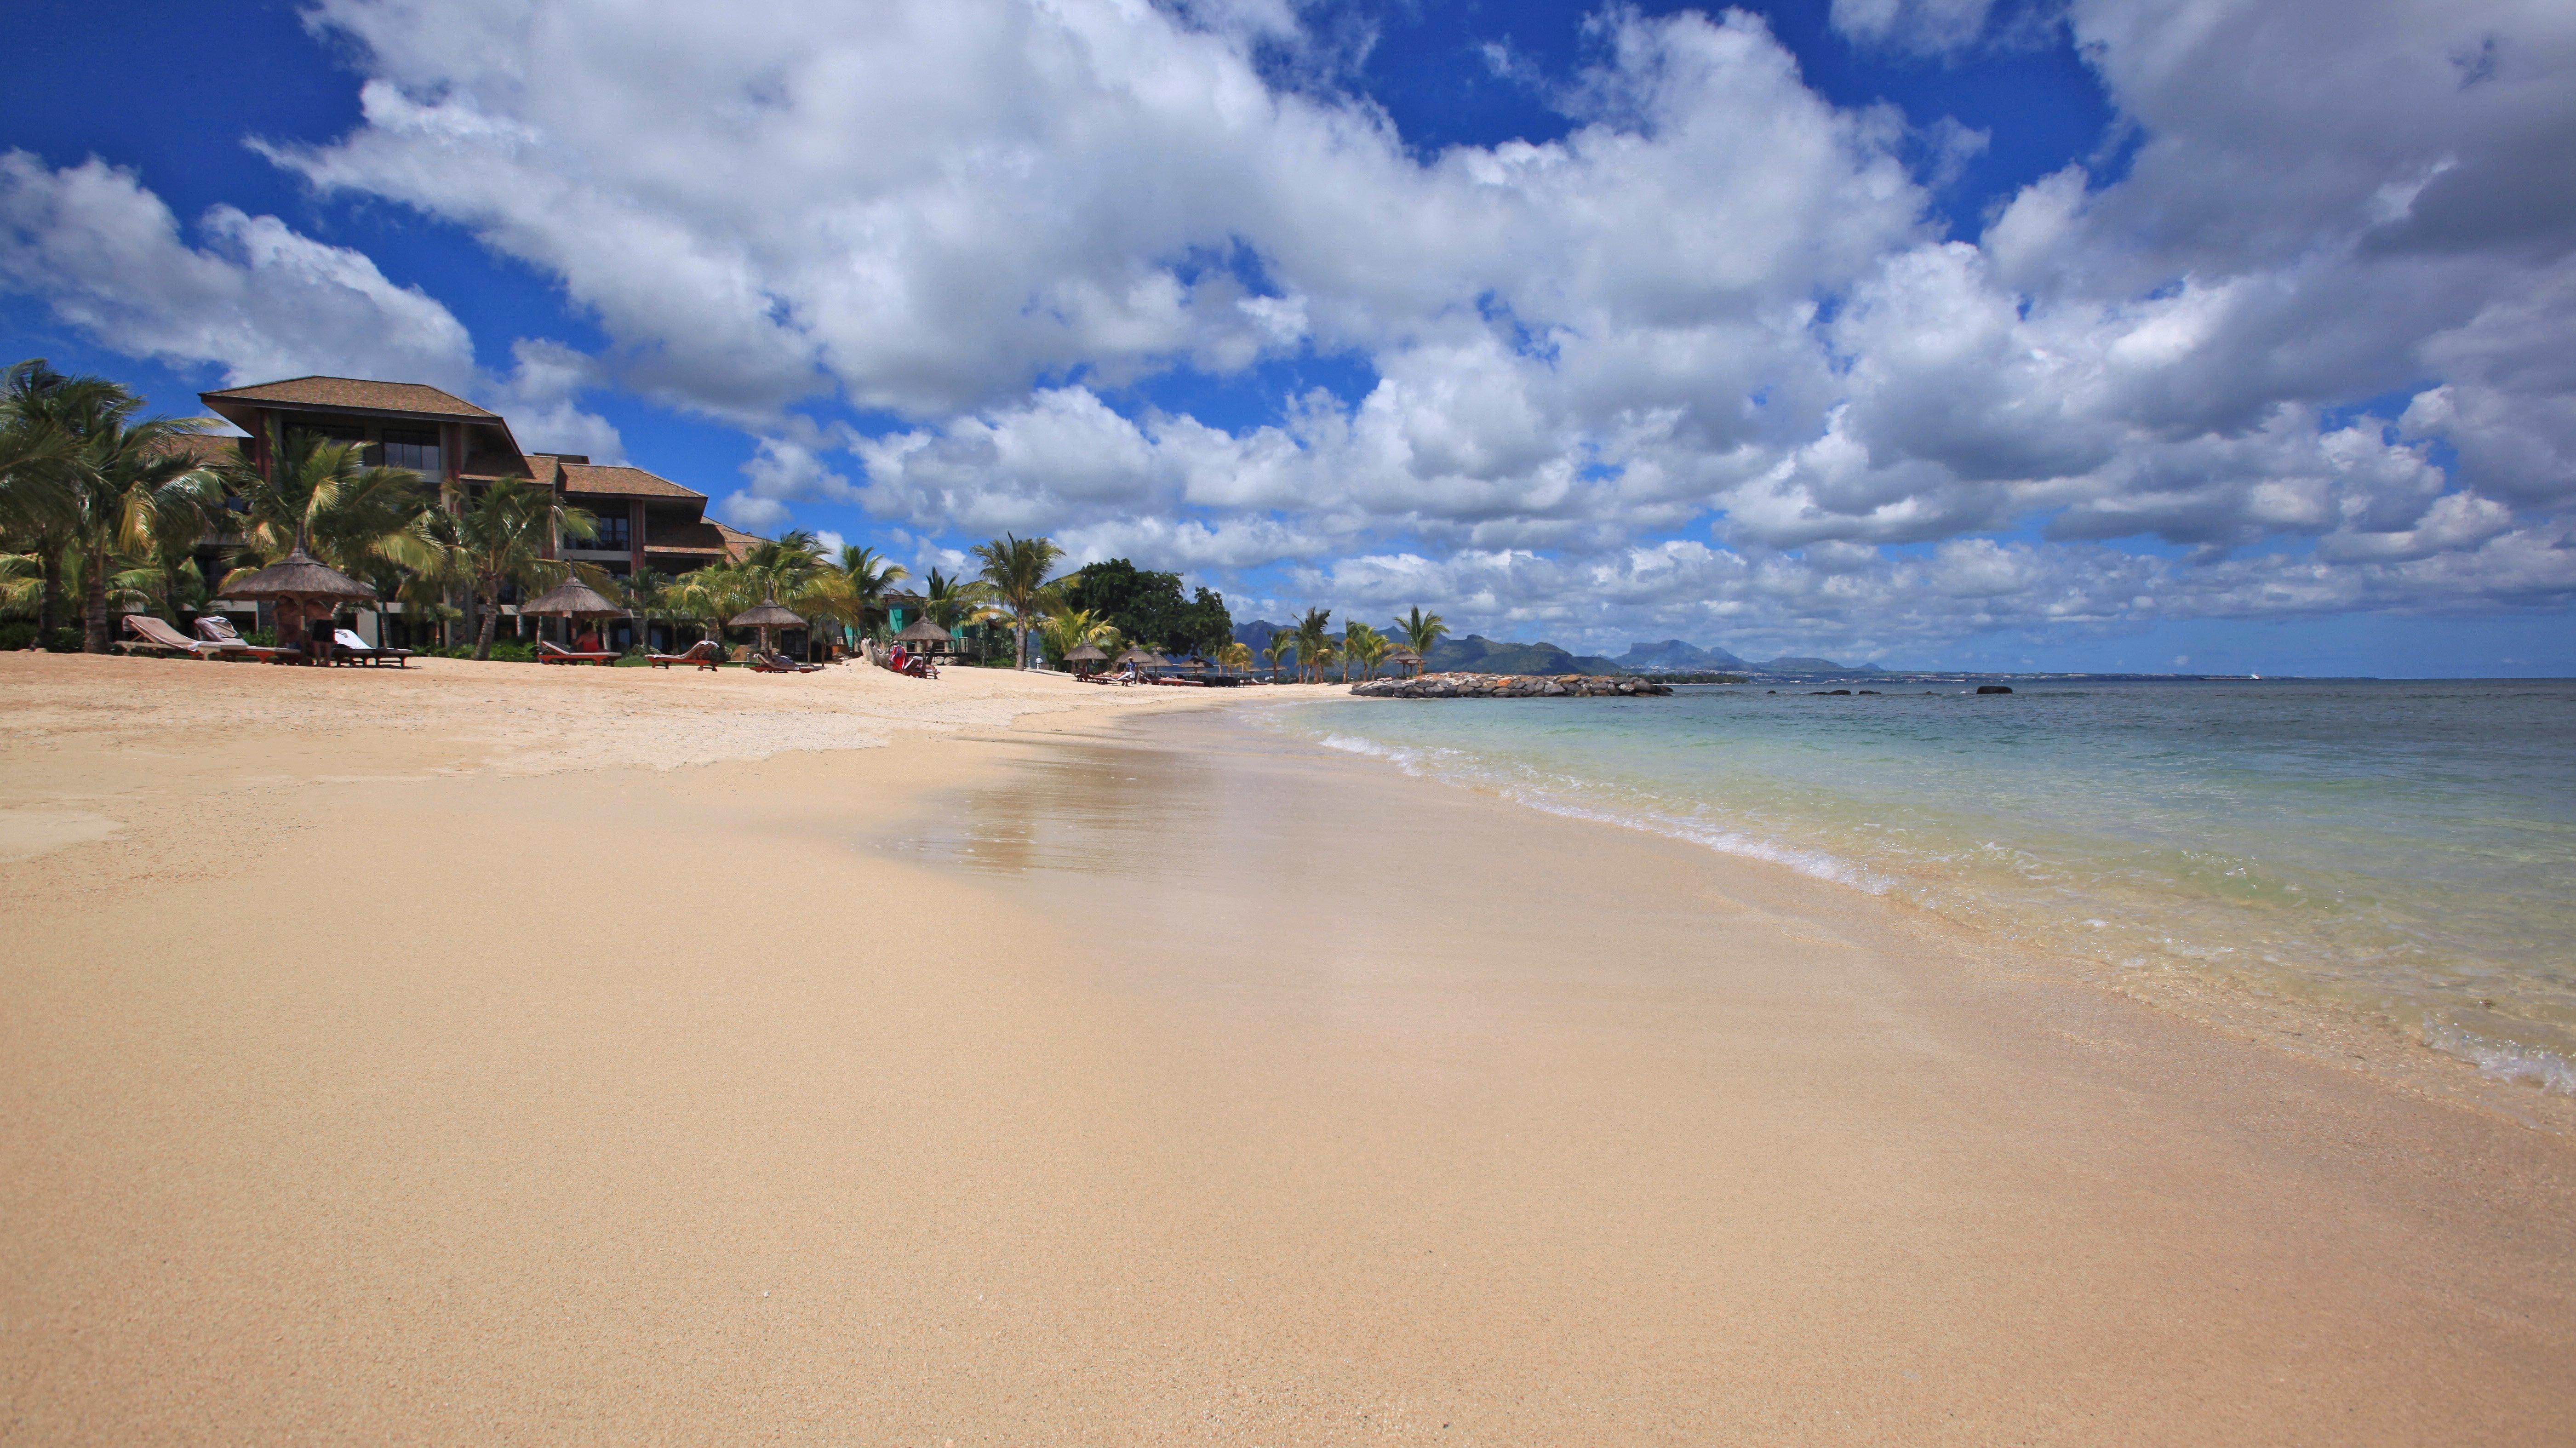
<point>1510,686</point>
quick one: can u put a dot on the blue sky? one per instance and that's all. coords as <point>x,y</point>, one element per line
<point>1935,332</point>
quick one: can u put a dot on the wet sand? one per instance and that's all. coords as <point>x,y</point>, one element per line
<point>1141,1081</point>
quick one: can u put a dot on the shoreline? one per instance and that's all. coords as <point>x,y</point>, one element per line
<point>1065,1076</point>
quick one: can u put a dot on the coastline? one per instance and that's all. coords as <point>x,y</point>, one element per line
<point>436,1077</point>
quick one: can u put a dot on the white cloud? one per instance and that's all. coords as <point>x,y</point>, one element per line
<point>1718,307</point>
<point>258,299</point>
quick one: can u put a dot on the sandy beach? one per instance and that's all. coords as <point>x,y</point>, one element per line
<point>485,1053</point>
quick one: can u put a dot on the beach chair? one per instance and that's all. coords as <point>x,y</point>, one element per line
<point>348,648</point>
<point>705,653</point>
<point>215,628</point>
<point>548,653</point>
<point>781,664</point>
<point>153,633</point>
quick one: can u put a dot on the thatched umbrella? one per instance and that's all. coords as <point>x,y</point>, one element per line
<point>297,586</point>
<point>922,631</point>
<point>1402,657</point>
<point>1086,654</point>
<point>573,598</point>
<point>1139,659</point>
<point>765,616</point>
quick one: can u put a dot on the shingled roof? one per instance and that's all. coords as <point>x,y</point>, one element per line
<point>357,394</point>
<point>624,482</point>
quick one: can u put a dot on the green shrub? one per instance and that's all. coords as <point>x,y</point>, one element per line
<point>64,640</point>
<point>510,651</point>
<point>17,634</point>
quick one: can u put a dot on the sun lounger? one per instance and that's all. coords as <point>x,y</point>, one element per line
<point>154,633</point>
<point>348,648</point>
<point>216,629</point>
<point>781,664</point>
<point>705,653</point>
<point>551,654</point>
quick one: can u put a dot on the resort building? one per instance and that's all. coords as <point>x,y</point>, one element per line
<point>646,521</point>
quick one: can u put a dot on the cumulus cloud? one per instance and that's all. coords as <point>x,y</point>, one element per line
<point>1709,360</point>
<point>259,300</point>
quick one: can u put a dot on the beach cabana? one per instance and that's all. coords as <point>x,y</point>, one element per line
<point>1086,654</point>
<point>301,589</point>
<point>1406,659</point>
<point>922,636</point>
<point>574,599</point>
<point>765,616</point>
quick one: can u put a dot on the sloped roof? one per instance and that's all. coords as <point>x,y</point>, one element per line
<point>737,542</point>
<point>358,393</point>
<point>691,537</point>
<point>626,482</point>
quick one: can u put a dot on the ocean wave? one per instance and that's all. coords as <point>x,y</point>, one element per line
<point>1455,766</point>
<point>2500,1059</point>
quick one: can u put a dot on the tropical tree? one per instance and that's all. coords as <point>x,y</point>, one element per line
<point>1283,642</point>
<point>781,567</point>
<point>323,494</point>
<point>951,601</point>
<point>713,594</point>
<point>134,485</point>
<point>38,504</point>
<point>505,535</point>
<point>1067,629</point>
<point>648,595</point>
<point>1314,644</point>
<point>1016,569</point>
<point>22,582</point>
<point>1236,654</point>
<point>1420,631</point>
<point>1366,647</point>
<point>851,589</point>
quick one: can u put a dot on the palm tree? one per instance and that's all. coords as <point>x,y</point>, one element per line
<point>851,589</point>
<point>134,486</point>
<point>1365,646</point>
<point>39,506</point>
<point>713,594</point>
<point>1017,570</point>
<point>1067,629</point>
<point>1314,645</point>
<point>504,535</point>
<point>1421,630</point>
<point>1283,642</point>
<point>783,565</point>
<point>1235,654</point>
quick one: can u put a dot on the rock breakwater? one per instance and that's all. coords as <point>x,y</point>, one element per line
<point>1510,686</point>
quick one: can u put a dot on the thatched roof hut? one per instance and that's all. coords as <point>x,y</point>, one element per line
<point>922,631</point>
<point>1086,654</point>
<point>573,598</point>
<point>765,615</point>
<point>299,576</point>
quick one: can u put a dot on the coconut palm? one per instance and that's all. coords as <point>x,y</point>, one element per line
<point>133,486</point>
<point>713,594</point>
<point>1017,569</point>
<point>1314,644</point>
<point>1420,631</point>
<point>38,504</point>
<point>1236,655</point>
<point>1068,629</point>
<point>1283,642</point>
<point>781,567</point>
<point>505,535</point>
<point>1366,647</point>
<point>851,589</point>
<point>323,494</point>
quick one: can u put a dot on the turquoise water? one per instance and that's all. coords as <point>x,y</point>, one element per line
<point>2404,851</point>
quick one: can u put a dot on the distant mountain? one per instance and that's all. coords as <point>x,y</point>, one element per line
<point>1477,654</point>
<point>1790,665</point>
<point>1255,635</point>
<point>1672,655</point>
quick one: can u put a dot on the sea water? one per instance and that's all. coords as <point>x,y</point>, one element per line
<point>2404,851</point>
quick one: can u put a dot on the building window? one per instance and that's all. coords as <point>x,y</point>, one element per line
<point>417,451</point>
<point>613,535</point>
